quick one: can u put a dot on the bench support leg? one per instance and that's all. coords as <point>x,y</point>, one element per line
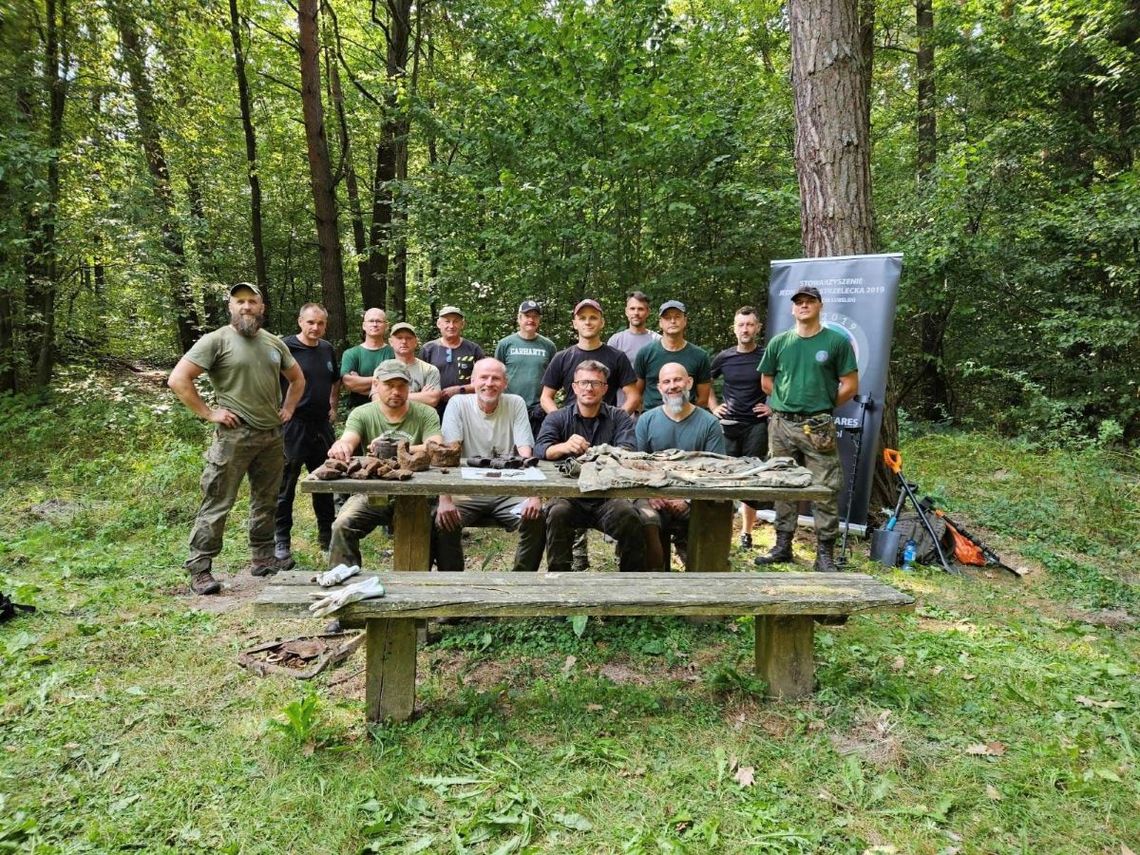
<point>710,535</point>
<point>412,524</point>
<point>785,658</point>
<point>390,670</point>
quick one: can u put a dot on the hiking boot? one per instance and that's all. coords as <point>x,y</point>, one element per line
<point>781,553</point>
<point>202,582</point>
<point>745,540</point>
<point>825,557</point>
<point>270,566</point>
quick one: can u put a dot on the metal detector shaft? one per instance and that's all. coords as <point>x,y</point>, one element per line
<point>865,403</point>
<point>925,520</point>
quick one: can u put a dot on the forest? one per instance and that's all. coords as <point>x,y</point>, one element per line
<point>412,154</point>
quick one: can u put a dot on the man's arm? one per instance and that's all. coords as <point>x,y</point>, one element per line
<point>356,383</point>
<point>334,400</point>
<point>632,402</point>
<point>848,387</point>
<point>296,378</point>
<point>181,382</point>
<point>344,447</point>
<point>704,390</point>
<point>767,383</point>
<point>547,401</point>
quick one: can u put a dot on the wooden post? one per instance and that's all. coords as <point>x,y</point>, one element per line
<point>390,670</point>
<point>710,535</point>
<point>785,657</point>
<point>412,525</point>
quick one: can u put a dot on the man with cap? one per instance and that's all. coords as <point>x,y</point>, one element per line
<point>453,355</point>
<point>358,363</point>
<point>490,424</point>
<point>806,372</point>
<point>673,319</point>
<point>245,364</point>
<point>424,382</point>
<point>526,355</point>
<point>743,413</point>
<point>389,412</point>
<point>309,433</point>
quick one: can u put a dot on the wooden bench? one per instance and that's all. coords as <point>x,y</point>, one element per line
<point>785,605</point>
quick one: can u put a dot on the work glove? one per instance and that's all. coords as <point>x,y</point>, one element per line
<point>329,603</point>
<point>337,575</point>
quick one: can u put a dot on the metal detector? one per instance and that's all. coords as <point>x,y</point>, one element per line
<point>865,402</point>
<point>893,461</point>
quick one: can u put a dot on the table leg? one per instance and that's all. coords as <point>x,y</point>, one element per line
<point>412,525</point>
<point>710,535</point>
<point>390,669</point>
<point>785,657</point>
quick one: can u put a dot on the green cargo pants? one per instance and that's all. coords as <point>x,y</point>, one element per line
<point>786,438</point>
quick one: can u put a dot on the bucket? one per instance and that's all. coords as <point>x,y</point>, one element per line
<point>885,547</point>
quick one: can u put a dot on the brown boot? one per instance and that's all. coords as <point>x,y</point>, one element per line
<point>781,553</point>
<point>202,582</point>
<point>825,557</point>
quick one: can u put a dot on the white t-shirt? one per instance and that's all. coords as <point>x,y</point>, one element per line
<point>487,434</point>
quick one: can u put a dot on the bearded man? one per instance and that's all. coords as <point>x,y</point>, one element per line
<point>245,364</point>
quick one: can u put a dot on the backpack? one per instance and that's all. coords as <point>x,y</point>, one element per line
<point>9,608</point>
<point>910,527</point>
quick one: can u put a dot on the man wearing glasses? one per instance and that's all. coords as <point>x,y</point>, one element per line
<point>568,432</point>
<point>358,364</point>
<point>453,355</point>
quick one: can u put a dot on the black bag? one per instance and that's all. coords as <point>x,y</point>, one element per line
<point>910,527</point>
<point>9,609</point>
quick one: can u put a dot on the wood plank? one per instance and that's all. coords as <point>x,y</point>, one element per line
<point>785,654</point>
<point>710,536</point>
<point>390,670</point>
<point>412,526</point>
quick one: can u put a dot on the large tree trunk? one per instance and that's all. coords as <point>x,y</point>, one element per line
<point>351,186</point>
<point>259,266</point>
<point>134,57</point>
<point>320,173</point>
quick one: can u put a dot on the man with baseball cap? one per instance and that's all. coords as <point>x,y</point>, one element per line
<point>388,413</point>
<point>673,319</point>
<point>357,363</point>
<point>453,355</point>
<point>423,377</point>
<point>806,372</point>
<point>245,364</point>
<point>526,354</point>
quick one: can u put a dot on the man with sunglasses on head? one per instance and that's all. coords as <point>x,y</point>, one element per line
<point>453,355</point>
<point>359,363</point>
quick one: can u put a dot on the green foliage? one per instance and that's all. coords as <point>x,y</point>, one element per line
<point>301,719</point>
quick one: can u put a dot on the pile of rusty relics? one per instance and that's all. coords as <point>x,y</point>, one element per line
<point>389,459</point>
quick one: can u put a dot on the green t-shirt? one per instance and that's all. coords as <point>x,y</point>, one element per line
<point>245,372</point>
<point>526,362</point>
<point>363,361</point>
<point>649,360</point>
<point>699,431</point>
<point>368,422</point>
<point>807,370</point>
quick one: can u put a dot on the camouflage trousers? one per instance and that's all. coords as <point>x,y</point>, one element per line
<point>786,438</point>
<point>234,454</point>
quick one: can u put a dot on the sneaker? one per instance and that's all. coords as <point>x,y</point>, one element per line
<point>202,582</point>
<point>745,540</point>
<point>282,552</point>
<point>270,566</point>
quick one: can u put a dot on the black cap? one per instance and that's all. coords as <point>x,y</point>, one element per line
<point>672,304</point>
<point>529,306</point>
<point>809,290</point>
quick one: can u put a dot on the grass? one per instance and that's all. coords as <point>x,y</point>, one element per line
<point>1000,717</point>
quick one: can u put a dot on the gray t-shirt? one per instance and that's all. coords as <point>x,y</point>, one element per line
<point>487,434</point>
<point>424,376</point>
<point>245,372</point>
<point>629,343</point>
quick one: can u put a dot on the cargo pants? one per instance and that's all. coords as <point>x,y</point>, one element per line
<point>786,438</point>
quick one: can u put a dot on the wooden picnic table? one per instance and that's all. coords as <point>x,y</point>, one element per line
<point>710,519</point>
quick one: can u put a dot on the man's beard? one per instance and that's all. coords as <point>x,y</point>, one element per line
<point>246,325</point>
<point>489,399</point>
<point>675,404</point>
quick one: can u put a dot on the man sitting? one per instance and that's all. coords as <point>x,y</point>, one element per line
<point>490,424</point>
<point>568,432</point>
<point>390,412</point>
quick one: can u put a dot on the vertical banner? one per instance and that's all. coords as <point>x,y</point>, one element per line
<point>859,294</point>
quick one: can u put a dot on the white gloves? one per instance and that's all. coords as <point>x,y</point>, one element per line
<point>329,603</point>
<point>337,575</point>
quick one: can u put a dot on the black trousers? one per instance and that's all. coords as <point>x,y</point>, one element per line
<point>306,446</point>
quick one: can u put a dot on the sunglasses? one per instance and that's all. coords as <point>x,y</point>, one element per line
<point>448,356</point>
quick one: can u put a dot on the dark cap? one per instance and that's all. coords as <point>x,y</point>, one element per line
<point>529,306</point>
<point>809,290</point>
<point>588,304</point>
<point>392,369</point>
<point>249,286</point>
<point>402,326</point>
<point>672,304</point>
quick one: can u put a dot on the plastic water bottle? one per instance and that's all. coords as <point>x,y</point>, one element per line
<point>910,550</point>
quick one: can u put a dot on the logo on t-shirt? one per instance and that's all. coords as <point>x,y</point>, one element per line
<point>329,367</point>
<point>274,357</point>
<point>821,356</point>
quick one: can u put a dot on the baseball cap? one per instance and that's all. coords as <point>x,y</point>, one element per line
<point>672,304</point>
<point>588,304</point>
<point>400,327</point>
<point>809,290</point>
<point>247,285</point>
<point>392,369</point>
<point>529,306</point>
<point>451,310</point>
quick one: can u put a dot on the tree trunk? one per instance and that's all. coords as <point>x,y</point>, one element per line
<point>260,271</point>
<point>134,54</point>
<point>213,307</point>
<point>320,173</point>
<point>351,186</point>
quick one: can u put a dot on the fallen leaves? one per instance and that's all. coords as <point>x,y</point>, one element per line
<point>989,749</point>
<point>1104,705</point>
<point>992,793</point>
<point>745,776</point>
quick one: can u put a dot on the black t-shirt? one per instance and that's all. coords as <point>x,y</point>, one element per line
<point>319,365</point>
<point>560,372</point>
<point>741,383</point>
<point>454,363</point>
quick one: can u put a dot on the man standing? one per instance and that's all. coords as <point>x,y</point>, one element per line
<point>807,372</point>
<point>358,363</point>
<point>672,347</point>
<point>309,433</point>
<point>631,340</point>
<point>453,355</point>
<point>526,355</point>
<point>390,412</point>
<point>490,424</point>
<point>589,323</point>
<point>568,432</point>
<point>676,423</point>
<point>743,414</point>
<point>245,364</point>
<point>424,379</point>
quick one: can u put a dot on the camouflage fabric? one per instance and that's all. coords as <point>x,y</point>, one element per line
<point>789,438</point>
<point>605,467</point>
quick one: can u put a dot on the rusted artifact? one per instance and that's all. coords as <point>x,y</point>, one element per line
<point>331,470</point>
<point>444,453</point>
<point>414,462</point>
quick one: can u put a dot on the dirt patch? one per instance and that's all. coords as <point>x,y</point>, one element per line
<point>873,740</point>
<point>1108,618</point>
<point>54,511</point>
<point>237,590</point>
